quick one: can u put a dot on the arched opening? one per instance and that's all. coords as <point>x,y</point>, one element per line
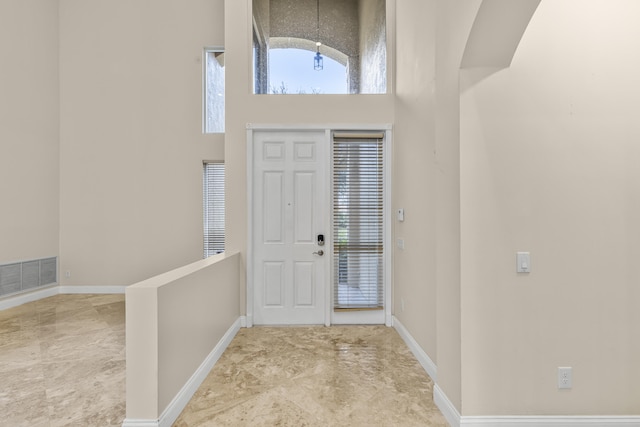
<point>291,68</point>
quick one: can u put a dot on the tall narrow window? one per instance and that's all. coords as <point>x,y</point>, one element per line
<point>214,91</point>
<point>358,194</point>
<point>213,202</point>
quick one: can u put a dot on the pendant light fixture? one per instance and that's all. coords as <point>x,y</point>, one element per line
<point>317,59</point>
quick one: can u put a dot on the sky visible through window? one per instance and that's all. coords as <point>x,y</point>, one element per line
<point>293,68</point>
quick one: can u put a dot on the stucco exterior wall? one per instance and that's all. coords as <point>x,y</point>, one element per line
<point>373,40</point>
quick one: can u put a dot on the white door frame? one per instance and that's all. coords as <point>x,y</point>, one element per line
<point>388,261</point>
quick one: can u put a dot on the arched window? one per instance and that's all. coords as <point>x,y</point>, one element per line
<point>319,46</point>
<point>290,72</point>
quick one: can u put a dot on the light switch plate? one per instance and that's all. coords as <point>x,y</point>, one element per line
<point>523,262</point>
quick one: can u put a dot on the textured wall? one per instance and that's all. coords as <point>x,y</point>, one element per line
<point>298,18</point>
<point>373,41</point>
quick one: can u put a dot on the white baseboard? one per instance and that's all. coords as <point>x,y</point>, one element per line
<point>139,423</point>
<point>14,301</point>
<point>418,352</point>
<point>243,321</point>
<point>446,407</point>
<point>173,410</point>
<point>92,289</point>
<point>455,420</point>
<point>550,421</point>
<point>17,300</point>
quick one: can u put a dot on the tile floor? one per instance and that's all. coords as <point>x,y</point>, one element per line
<point>315,376</point>
<point>62,364</point>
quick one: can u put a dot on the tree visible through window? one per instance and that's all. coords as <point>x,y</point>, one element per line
<point>213,208</point>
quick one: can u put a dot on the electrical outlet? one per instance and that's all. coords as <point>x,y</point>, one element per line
<point>565,377</point>
<point>67,273</point>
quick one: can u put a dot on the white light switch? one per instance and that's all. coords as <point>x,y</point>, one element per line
<point>523,260</point>
<point>400,214</point>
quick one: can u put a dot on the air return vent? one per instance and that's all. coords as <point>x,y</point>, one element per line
<point>27,275</point>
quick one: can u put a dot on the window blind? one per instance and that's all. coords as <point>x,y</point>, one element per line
<point>213,203</point>
<point>358,221</point>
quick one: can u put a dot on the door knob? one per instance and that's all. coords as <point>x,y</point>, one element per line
<point>320,252</point>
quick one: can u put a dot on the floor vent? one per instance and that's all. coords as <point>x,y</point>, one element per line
<point>27,275</point>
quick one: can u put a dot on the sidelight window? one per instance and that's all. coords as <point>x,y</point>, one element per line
<point>358,217</point>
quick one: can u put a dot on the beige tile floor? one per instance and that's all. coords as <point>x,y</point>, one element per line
<point>315,376</point>
<point>62,364</point>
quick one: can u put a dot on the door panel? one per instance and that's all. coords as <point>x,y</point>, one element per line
<point>304,227</point>
<point>272,210</point>
<point>273,284</point>
<point>304,279</point>
<point>289,211</point>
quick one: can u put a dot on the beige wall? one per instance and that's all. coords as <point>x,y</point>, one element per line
<point>244,108</point>
<point>131,136</point>
<point>414,186</point>
<point>454,20</point>
<point>29,143</point>
<point>194,315</point>
<point>550,165</point>
<point>542,158</point>
<point>174,322</point>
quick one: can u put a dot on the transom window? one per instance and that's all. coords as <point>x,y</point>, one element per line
<point>319,46</point>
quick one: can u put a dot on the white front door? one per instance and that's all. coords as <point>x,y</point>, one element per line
<point>289,211</point>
